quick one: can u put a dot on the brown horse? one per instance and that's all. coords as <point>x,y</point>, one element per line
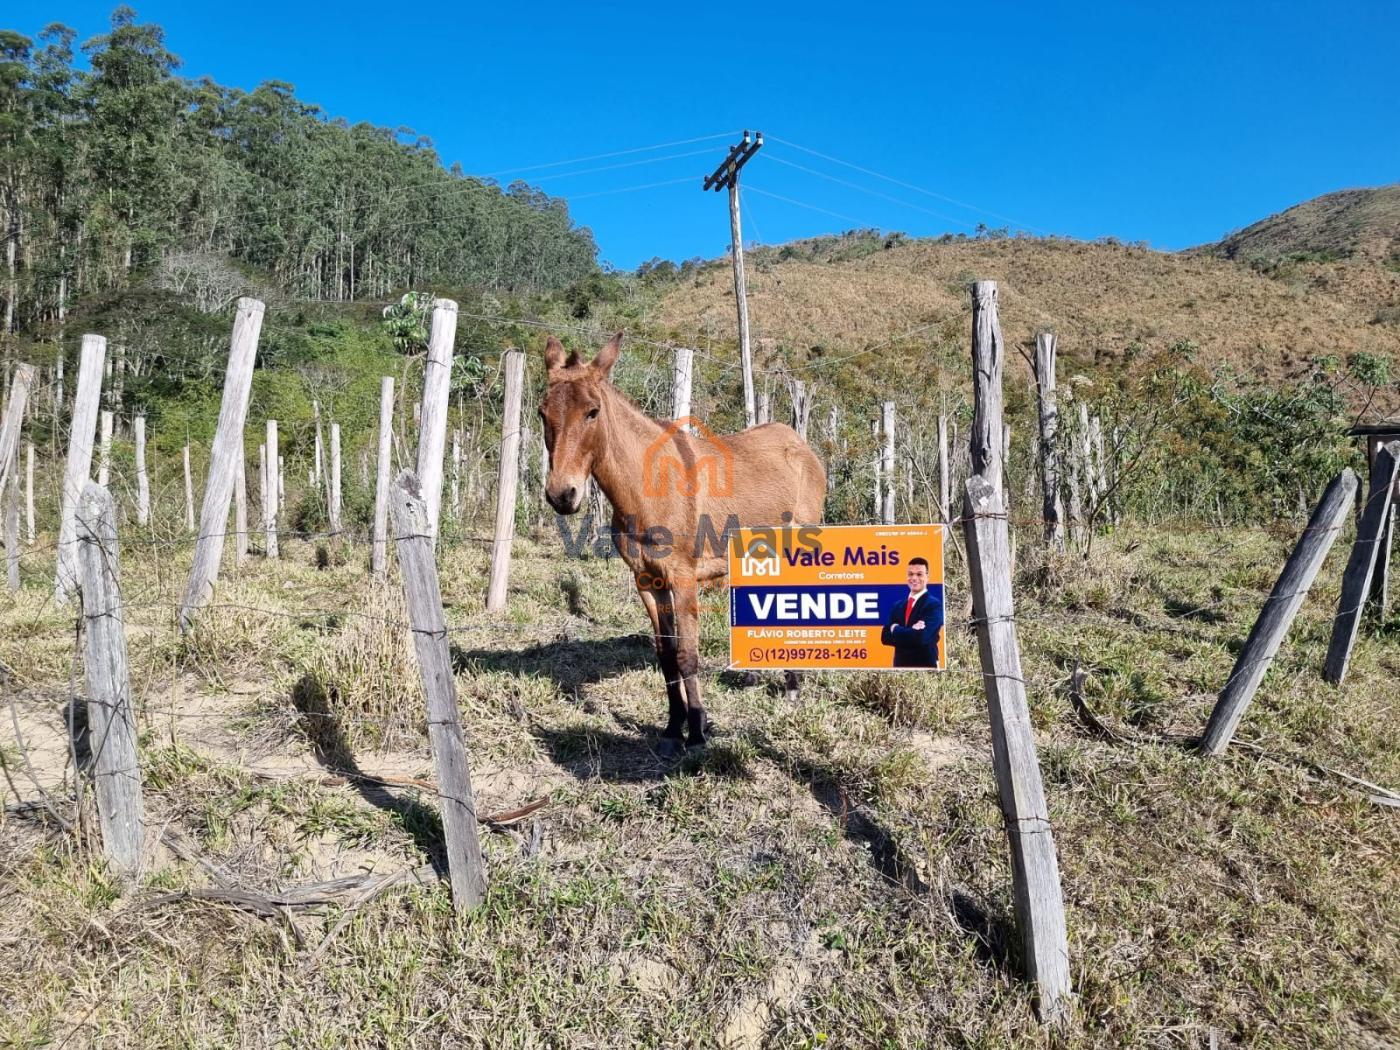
<point>676,496</point>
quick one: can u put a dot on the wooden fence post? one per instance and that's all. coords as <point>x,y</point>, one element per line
<point>9,506</point>
<point>111,721</point>
<point>225,454</point>
<point>765,407</point>
<point>318,468</point>
<point>1052,506</point>
<point>420,584</point>
<point>333,507</point>
<point>240,506</point>
<point>82,427</point>
<point>143,480</point>
<point>270,507</point>
<point>15,405</point>
<point>437,389</point>
<point>988,359</point>
<point>1356,580</point>
<point>680,383</point>
<point>29,492</point>
<point>1279,610</point>
<point>509,478</point>
<point>944,482</point>
<point>456,473</point>
<point>378,557</point>
<point>189,489</point>
<point>1035,873</point>
<point>879,458</point>
<point>104,449</point>
<point>887,462</point>
<point>801,407</point>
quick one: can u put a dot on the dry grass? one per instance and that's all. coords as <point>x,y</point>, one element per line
<point>1101,299</point>
<point>831,873</point>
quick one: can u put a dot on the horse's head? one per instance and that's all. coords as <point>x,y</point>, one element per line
<point>570,411</point>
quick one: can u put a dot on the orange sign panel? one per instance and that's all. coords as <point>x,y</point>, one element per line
<point>837,596</point>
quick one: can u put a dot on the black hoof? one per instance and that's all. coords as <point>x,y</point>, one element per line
<point>670,748</point>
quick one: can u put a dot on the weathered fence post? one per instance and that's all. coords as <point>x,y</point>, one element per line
<point>1279,610</point>
<point>189,489</point>
<point>879,459</point>
<point>14,419</point>
<point>680,383</point>
<point>1356,580</point>
<point>82,427</point>
<point>944,487</point>
<point>104,449</point>
<point>225,454</point>
<point>111,721</point>
<point>437,389</point>
<point>29,492</point>
<point>1052,506</point>
<point>887,462</point>
<point>143,480</point>
<point>9,504</point>
<point>378,556</point>
<point>270,507</point>
<point>765,407</point>
<point>801,407</point>
<point>240,506</point>
<point>420,584</point>
<point>319,466</point>
<point>333,508</point>
<point>509,478</point>
<point>456,473</point>
<point>1035,872</point>
<point>988,359</point>
<point>1089,474</point>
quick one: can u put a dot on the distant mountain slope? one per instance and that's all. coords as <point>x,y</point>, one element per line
<point>1103,299</point>
<point>1350,223</point>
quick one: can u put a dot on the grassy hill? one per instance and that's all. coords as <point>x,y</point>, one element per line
<point>1106,301</point>
<point>1361,223</point>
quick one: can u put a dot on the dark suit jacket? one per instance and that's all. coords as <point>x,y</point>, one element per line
<point>914,648</point>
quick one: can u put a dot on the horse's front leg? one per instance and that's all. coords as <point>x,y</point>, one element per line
<point>687,606</point>
<point>661,609</point>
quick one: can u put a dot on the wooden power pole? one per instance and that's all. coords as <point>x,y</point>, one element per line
<point>726,177</point>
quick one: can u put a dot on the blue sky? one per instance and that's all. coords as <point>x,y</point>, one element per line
<point>1172,123</point>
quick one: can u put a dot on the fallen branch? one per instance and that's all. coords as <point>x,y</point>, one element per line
<point>1381,796</point>
<point>313,895</point>
<point>1081,706</point>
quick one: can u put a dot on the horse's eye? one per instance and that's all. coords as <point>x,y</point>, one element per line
<point>592,414</point>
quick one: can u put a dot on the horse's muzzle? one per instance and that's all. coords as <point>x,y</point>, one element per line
<point>566,500</point>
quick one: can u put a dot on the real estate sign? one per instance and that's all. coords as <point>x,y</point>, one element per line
<point>837,596</point>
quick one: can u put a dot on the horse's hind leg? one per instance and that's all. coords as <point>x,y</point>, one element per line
<point>660,607</point>
<point>687,605</point>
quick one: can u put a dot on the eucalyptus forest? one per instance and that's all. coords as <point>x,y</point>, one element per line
<point>113,165</point>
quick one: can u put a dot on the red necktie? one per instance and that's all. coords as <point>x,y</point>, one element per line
<point>908,610</point>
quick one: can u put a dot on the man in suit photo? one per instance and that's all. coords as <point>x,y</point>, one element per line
<point>913,625</point>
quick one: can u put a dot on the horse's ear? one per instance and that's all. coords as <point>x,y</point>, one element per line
<point>553,354</point>
<point>607,357</point>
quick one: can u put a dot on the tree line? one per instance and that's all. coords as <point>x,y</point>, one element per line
<point>125,167</point>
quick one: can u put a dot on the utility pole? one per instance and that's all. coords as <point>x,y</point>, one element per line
<point>726,176</point>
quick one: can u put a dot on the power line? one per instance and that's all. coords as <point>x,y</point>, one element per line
<point>908,185</point>
<point>813,207</point>
<point>606,156</point>
<point>873,193</point>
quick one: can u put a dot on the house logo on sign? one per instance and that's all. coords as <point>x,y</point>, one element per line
<point>761,559</point>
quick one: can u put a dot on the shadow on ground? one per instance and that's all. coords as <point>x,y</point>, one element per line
<point>571,664</point>
<point>328,743</point>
